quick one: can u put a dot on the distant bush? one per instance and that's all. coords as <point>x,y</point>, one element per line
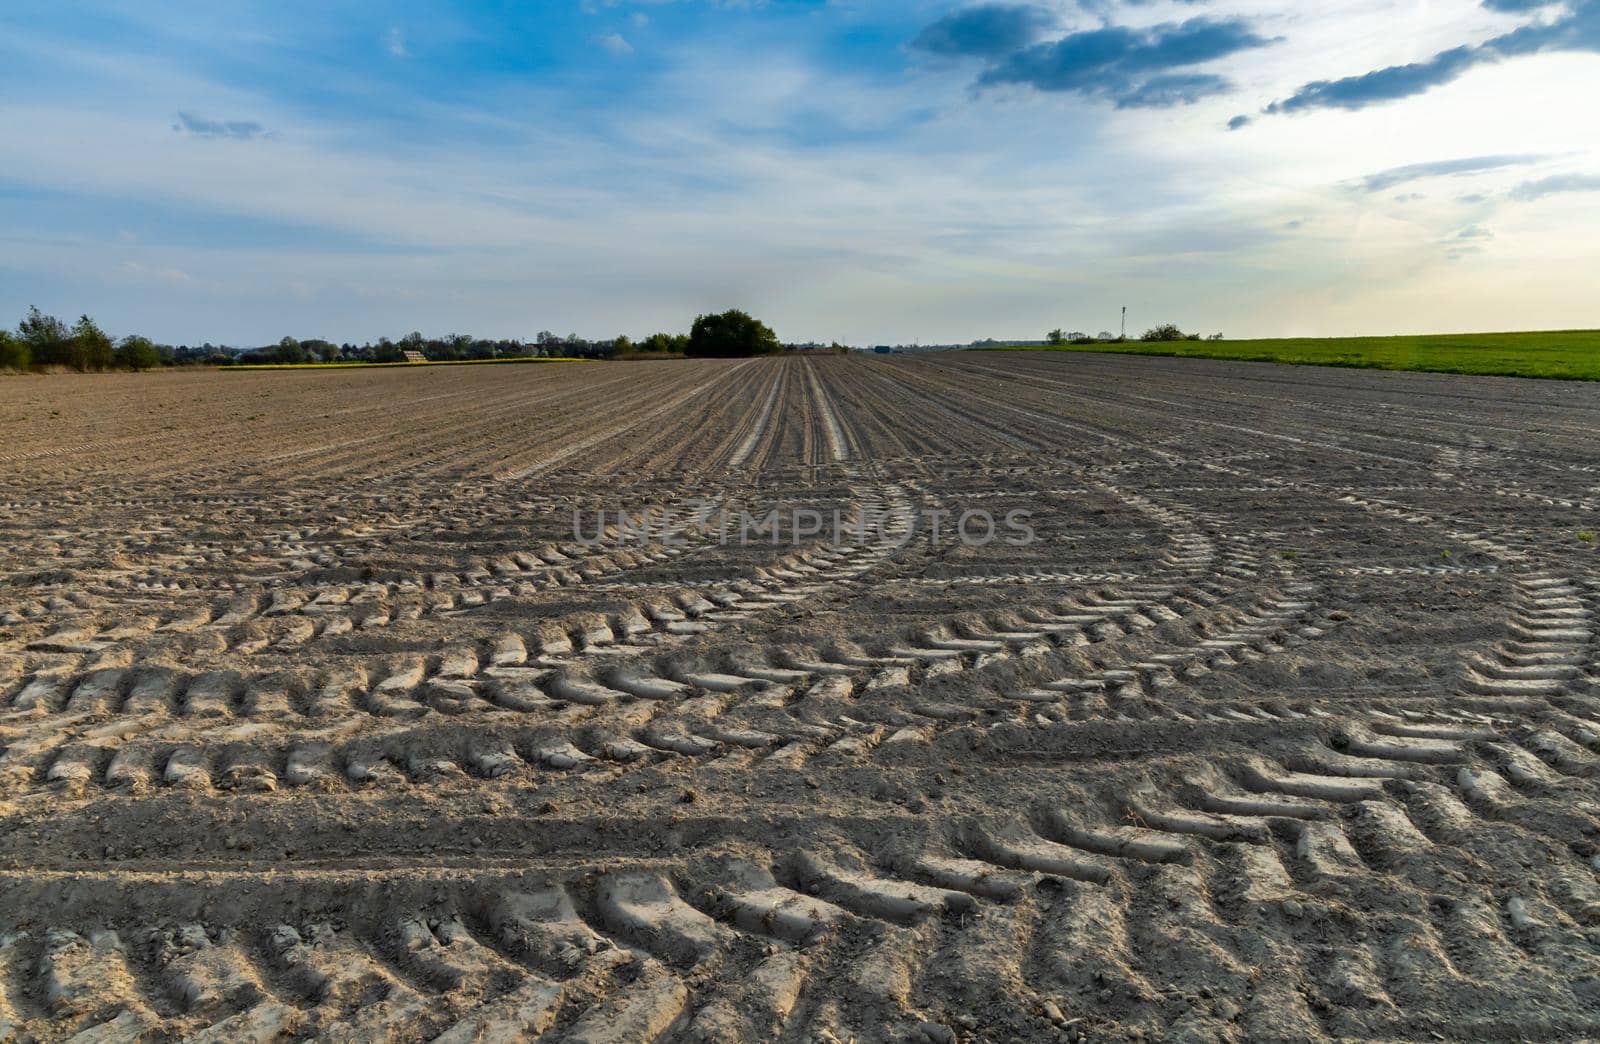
<point>1055,338</point>
<point>46,338</point>
<point>1080,338</point>
<point>139,353</point>
<point>14,354</point>
<point>92,347</point>
<point>1164,332</point>
<point>729,335</point>
<point>664,343</point>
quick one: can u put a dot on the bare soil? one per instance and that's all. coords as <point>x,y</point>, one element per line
<point>318,721</point>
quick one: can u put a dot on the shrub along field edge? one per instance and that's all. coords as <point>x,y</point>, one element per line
<point>389,365</point>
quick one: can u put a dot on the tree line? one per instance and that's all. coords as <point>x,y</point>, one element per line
<point>44,342</point>
<point>454,347</point>
<point>731,333</point>
<point>1165,332</point>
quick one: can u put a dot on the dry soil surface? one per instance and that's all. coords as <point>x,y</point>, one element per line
<point>318,720</point>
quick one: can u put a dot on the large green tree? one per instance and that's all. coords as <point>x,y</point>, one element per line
<point>730,335</point>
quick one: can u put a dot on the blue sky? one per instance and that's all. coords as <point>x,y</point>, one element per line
<point>868,171</point>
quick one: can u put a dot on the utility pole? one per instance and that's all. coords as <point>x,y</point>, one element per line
<point>1124,321</point>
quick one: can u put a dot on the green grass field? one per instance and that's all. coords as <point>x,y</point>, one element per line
<point>1572,355</point>
<point>382,366</point>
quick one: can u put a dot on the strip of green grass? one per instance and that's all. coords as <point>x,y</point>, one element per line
<point>1572,355</point>
<point>382,366</point>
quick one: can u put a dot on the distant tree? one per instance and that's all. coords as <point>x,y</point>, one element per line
<point>730,335</point>
<point>1164,332</point>
<point>1215,337</point>
<point>839,349</point>
<point>1106,337</point>
<point>47,339</point>
<point>92,348</point>
<point>184,355</point>
<point>622,345</point>
<point>138,353</point>
<point>14,353</point>
<point>288,350</point>
<point>665,342</point>
<point>386,351</point>
<point>1077,337</point>
<point>1055,338</point>
<point>318,350</point>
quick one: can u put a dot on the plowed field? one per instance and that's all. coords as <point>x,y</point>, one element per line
<point>332,707</point>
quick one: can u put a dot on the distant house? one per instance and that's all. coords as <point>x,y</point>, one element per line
<point>411,356</point>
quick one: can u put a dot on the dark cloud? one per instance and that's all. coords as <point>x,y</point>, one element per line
<point>1131,67</point>
<point>986,31</point>
<point>1239,123</point>
<point>1556,185</point>
<point>1397,81</point>
<point>239,130</point>
<point>1577,28</point>
<point>1162,92</point>
<point>1388,179</point>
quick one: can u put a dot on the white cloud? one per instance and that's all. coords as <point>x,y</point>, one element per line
<point>141,271</point>
<point>614,43</point>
